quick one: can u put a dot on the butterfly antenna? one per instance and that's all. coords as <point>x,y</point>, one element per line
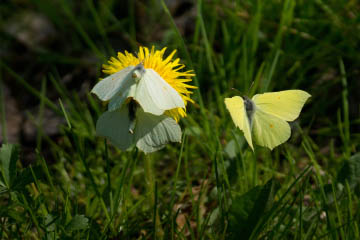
<point>137,56</point>
<point>234,89</point>
<point>251,86</point>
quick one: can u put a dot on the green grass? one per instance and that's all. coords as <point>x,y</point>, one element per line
<point>211,186</point>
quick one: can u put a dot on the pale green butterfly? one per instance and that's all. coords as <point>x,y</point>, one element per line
<point>130,124</point>
<point>265,117</point>
<point>146,86</point>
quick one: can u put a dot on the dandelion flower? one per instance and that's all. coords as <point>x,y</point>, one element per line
<point>151,79</point>
<point>147,96</point>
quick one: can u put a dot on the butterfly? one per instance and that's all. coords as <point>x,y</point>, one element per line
<point>265,117</point>
<point>131,125</point>
<point>144,85</point>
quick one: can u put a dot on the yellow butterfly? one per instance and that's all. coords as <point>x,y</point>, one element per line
<point>265,117</point>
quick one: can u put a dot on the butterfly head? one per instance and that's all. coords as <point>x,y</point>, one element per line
<point>138,72</point>
<point>249,104</point>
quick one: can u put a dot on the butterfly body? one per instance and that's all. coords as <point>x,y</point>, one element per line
<point>132,116</point>
<point>265,117</point>
<point>249,108</point>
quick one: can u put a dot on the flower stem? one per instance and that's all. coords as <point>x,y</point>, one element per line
<point>152,190</point>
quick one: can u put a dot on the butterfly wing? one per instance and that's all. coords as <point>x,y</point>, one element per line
<point>143,97</point>
<point>237,110</point>
<point>155,95</point>
<point>117,101</point>
<point>286,105</point>
<point>269,130</point>
<point>117,83</point>
<point>115,125</point>
<point>153,132</point>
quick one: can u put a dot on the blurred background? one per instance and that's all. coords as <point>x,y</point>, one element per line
<point>228,43</point>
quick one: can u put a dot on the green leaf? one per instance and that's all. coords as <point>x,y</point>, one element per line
<point>350,172</point>
<point>78,222</point>
<point>16,215</point>
<point>49,222</point>
<point>9,155</point>
<point>26,177</point>
<point>246,210</point>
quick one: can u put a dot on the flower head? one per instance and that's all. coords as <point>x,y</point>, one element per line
<point>167,68</point>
